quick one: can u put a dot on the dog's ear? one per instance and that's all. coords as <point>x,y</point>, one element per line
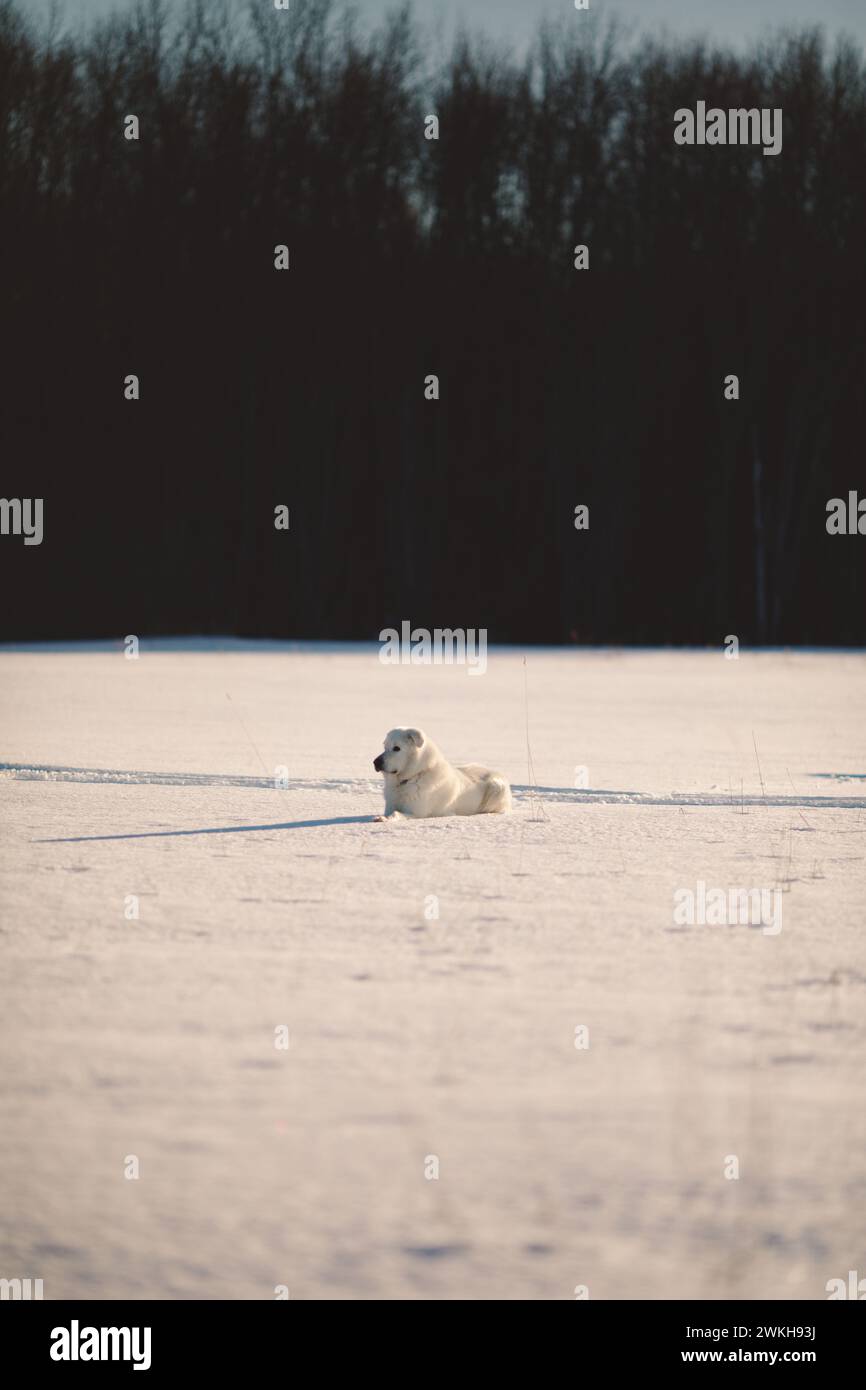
<point>416,736</point>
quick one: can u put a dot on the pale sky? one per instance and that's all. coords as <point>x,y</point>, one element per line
<point>732,21</point>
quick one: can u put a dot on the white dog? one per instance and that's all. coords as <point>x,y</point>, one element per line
<point>419,781</point>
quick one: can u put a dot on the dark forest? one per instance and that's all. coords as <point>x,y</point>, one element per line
<point>411,257</point>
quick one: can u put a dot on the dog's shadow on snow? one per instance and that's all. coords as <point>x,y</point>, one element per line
<point>523,795</point>
<point>211,830</point>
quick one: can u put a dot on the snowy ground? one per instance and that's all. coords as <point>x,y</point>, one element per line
<point>413,1038</point>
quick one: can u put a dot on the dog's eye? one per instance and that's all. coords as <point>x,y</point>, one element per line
<point>396,748</point>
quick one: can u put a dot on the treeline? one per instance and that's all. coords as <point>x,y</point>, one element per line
<point>411,257</point>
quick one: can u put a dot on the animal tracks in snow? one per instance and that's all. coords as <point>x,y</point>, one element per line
<point>35,772</point>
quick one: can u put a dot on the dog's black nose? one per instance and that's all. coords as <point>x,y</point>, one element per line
<point>377,762</point>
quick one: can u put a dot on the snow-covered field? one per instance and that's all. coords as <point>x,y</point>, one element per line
<point>414,1039</point>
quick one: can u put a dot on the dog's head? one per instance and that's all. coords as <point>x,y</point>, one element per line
<point>403,753</point>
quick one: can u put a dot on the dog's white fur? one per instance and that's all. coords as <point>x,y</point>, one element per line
<point>419,781</point>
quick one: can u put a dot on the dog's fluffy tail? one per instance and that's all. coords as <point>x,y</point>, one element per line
<point>497,797</point>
